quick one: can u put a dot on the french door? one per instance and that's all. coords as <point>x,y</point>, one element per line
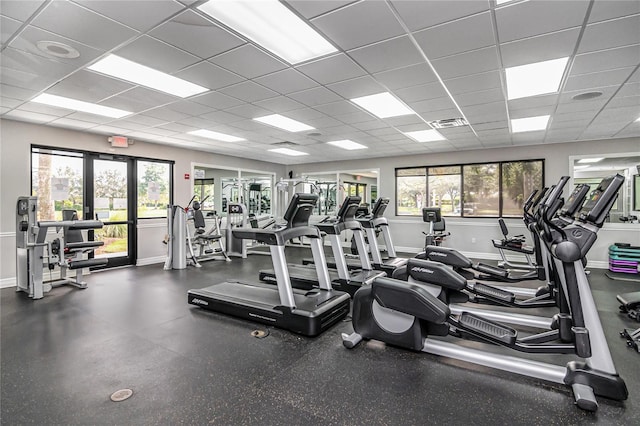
<point>110,197</point>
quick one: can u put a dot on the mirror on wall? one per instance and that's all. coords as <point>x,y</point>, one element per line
<point>219,186</point>
<point>592,168</point>
<point>333,187</point>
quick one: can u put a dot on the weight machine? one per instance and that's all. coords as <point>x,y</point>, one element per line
<point>34,252</point>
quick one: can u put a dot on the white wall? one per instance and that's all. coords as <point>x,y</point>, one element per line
<point>473,236</point>
<point>16,139</point>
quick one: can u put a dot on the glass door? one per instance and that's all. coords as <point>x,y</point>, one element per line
<point>111,199</point>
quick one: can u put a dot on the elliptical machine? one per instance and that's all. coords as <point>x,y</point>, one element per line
<point>405,314</point>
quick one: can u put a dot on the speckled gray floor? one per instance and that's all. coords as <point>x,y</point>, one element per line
<point>62,356</point>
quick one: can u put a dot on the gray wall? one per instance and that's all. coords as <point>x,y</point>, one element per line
<point>16,139</point>
<point>473,236</point>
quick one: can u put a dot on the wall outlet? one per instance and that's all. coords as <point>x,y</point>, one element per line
<point>473,240</point>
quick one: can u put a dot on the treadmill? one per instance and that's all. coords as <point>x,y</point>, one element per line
<point>370,223</point>
<point>305,312</point>
<point>305,276</point>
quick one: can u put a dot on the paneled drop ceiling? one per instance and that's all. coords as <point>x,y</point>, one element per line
<point>444,59</point>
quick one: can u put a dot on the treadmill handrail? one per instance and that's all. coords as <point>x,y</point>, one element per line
<point>276,237</point>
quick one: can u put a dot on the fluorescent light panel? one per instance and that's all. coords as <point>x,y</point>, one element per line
<point>215,135</point>
<point>535,79</point>
<point>287,151</point>
<point>76,105</point>
<point>284,123</point>
<point>347,144</point>
<point>271,25</point>
<point>580,167</point>
<point>118,67</point>
<point>499,2</point>
<point>529,124</point>
<point>590,160</point>
<point>383,105</point>
<point>426,135</point>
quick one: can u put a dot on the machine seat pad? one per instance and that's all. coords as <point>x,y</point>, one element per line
<point>411,299</point>
<point>491,270</point>
<point>212,237</point>
<point>87,263</point>
<point>84,245</point>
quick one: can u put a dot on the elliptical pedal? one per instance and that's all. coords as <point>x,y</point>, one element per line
<point>493,330</point>
<point>494,293</point>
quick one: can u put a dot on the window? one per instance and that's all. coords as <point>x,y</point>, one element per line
<point>203,190</point>
<point>519,179</point>
<point>57,181</point>
<point>444,189</point>
<point>469,190</point>
<point>411,191</point>
<point>153,188</point>
<point>481,190</point>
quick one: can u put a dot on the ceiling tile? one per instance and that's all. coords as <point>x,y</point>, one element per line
<point>609,9</point>
<point>494,126</point>
<point>436,104</point>
<point>216,100</point>
<point>7,28</point>
<point>91,118</point>
<point>584,107</point>
<point>531,112</point>
<point>338,108</point>
<point>305,114</point>
<point>387,55</point>
<point>347,28</point>
<point>16,92</point>
<point>311,8</point>
<point>279,104</point>
<point>442,114</point>
<point>143,120</point>
<point>190,108</point>
<point>248,91</point>
<point>457,36</point>
<point>208,75</point>
<point>165,114</point>
<point>45,109</point>
<point>88,86</point>
<point>628,56</point>
<point>479,97</point>
<point>69,123</point>
<point>534,101</point>
<point>63,17</point>
<point>371,125</point>
<point>248,61</point>
<point>332,69</point>
<point>188,31</point>
<point>28,39</point>
<point>153,53</point>
<point>218,117</point>
<point>473,83</point>
<point>361,86</point>
<point>422,14</point>
<point>20,10</point>
<point>475,62</point>
<point>138,99</point>
<point>141,15</point>
<point>178,128</point>
<point>248,111</point>
<point>597,79</point>
<point>22,69</point>
<point>412,75</point>
<point>421,93</point>
<point>32,117</point>
<point>9,102</point>
<point>355,117</point>
<point>541,48</point>
<point>316,96</point>
<point>608,34</point>
<point>109,129</point>
<point>286,81</point>
<point>531,18</point>
<point>629,89</point>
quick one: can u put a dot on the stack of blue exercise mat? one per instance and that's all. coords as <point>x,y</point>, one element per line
<point>624,258</point>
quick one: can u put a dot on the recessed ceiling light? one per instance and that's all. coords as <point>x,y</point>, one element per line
<point>580,167</point>
<point>590,160</point>
<point>118,67</point>
<point>499,2</point>
<point>273,26</point>
<point>59,50</point>
<point>586,96</point>
<point>76,105</point>
<point>535,79</point>
<point>383,105</point>
<point>637,119</point>
<point>425,135</point>
<point>215,135</point>
<point>287,151</point>
<point>347,144</point>
<point>284,123</point>
<point>529,124</point>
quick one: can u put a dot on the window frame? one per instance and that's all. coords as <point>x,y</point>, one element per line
<point>462,183</point>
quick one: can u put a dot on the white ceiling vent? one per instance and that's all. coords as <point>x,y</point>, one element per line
<point>448,123</point>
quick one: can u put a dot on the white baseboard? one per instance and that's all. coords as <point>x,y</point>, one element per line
<point>8,282</point>
<point>151,260</point>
